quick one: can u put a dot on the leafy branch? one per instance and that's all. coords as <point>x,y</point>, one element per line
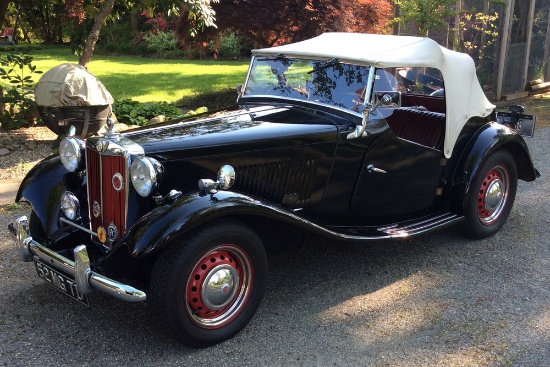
<point>17,101</point>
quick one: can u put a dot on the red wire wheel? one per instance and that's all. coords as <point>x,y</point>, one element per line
<point>493,195</point>
<point>219,286</point>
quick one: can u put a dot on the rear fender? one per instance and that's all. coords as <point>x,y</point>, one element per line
<point>492,137</point>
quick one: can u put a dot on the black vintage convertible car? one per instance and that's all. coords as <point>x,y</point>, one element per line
<point>324,140</point>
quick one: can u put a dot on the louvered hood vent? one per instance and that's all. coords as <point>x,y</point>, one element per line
<point>286,182</point>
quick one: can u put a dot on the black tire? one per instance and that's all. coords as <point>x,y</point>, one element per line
<point>184,295</point>
<point>491,196</point>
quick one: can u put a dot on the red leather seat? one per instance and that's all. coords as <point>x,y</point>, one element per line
<point>419,126</point>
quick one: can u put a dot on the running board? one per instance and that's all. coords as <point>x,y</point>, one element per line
<point>421,226</point>
<point>397,230</point>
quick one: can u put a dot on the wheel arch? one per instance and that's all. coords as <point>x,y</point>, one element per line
<point>42,188</point>
<point>168,223</point>
<point>491,138</point>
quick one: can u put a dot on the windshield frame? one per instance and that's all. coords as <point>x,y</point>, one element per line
<point>369,81</point>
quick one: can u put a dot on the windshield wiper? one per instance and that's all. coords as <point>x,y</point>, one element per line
<point>327,64</point>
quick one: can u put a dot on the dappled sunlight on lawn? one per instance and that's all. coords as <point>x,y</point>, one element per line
<point>153,80</point>
<point>173,83</point>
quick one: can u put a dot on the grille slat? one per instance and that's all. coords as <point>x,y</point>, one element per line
<point>99,171</point>
<point>277,180</point>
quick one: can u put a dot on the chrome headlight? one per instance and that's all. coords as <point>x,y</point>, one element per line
<point>144,173</point>
<point>70,206</point>
<point>70,152</point>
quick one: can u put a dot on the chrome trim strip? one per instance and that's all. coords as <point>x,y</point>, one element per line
<point>243,88</point>
<point>90,203</point>
<point>286,100</point>
<point>85,278</point>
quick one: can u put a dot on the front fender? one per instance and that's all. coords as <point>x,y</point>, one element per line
<point>491,138</point>
<point>166,223</point>
<point>42,187</point>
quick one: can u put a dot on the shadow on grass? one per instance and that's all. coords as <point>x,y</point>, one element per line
<point>213,100</point>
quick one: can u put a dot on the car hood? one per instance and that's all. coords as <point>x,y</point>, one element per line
<point>236,129</point>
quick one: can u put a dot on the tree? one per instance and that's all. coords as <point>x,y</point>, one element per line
<point>43,18</point>
<point>427,14</point>
<point>269,23</point>
<point>93,36</point>
<point>199,12</point>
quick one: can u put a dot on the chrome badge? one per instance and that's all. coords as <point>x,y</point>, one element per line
<point>96,209</point>
<point>117,181</point>
<point>112,232</point>
<point>101,234</point>
<point>101,145</point>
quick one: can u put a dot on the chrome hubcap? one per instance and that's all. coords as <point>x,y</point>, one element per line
<point>493,195</point>
<point>219,287</point>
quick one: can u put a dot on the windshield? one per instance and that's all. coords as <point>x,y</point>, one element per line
<point>328,82</point>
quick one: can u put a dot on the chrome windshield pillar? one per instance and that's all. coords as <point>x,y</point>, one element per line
<point>367,107</point>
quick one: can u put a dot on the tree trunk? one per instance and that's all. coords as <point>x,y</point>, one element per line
<point>15,24</point>
<point>458,29</point>
<point>134,19</point>
<point>3,10</point>
<point>2,104</point>
<point>483,42</point>
<point>395,26</point>
<point>105,10</point>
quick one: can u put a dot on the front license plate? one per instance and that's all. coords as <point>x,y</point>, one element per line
<point>60,281</point>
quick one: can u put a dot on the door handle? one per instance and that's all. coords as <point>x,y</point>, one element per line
<point>371,169</point>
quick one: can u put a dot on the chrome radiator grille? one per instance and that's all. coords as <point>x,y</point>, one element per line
<point>107,205</point>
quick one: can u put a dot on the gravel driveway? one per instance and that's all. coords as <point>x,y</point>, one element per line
<point>438,300</point>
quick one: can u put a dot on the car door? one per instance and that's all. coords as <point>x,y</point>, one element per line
<point>398,179</point>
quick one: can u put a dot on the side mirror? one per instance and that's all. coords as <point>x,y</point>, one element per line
<point>239,89</point>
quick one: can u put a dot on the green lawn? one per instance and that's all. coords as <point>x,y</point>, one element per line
<point>151,80</point>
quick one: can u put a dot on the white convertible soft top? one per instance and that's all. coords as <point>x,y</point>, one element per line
<point>463,95</point>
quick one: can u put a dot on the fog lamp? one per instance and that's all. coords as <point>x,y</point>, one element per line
<point>70,206</point>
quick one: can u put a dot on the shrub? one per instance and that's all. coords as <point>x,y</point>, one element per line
<point>162,43</point>
<point>226,44</point>
<point>136,113</point>
<point>230,46</point>
<point>18,97</point>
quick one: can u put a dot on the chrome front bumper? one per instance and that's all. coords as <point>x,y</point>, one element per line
<point>85,278</point>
